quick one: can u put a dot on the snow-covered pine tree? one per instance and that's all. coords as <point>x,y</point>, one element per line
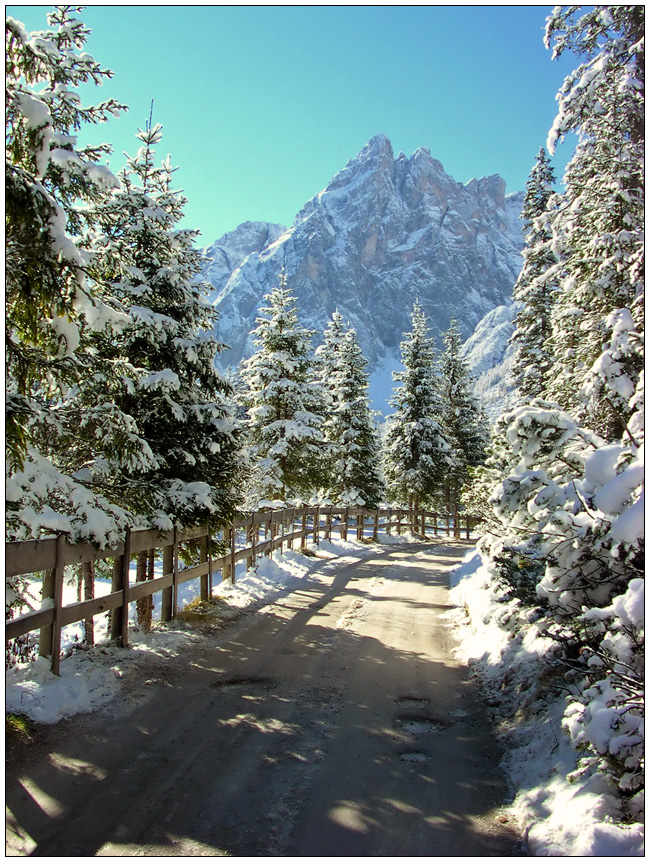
<point>566,533</point>
<point>463,424</point>
<point>533,290</point>
<point>52,314</point>
<point>166,351</point>
<point>598,226</point>
<point>325,360</point>
<point>416,455</point>
<point>565,539</point>
<point>327,353</point>
<point>354,448</point>
<point>285,424</point>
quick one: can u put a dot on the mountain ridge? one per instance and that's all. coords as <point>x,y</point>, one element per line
<point>385,231</point>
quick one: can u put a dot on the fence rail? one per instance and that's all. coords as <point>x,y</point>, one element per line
<point>282,528</point>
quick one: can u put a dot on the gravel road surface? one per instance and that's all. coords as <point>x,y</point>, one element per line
<point>333,722</point>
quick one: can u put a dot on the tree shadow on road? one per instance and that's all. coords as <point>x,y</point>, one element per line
<point>291,738</point>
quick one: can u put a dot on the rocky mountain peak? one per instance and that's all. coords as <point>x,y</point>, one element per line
<point>492,187</point>
<point>228,252</point>
<point>383,232</point>
<point>377,147</point>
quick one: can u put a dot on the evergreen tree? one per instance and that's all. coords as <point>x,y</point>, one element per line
<point>325,361</point>
<point>166,352</point>
<point>598,226</point>
<point>326,355</point>
<point>285,406</point>
<point>354,449</point>
<point>416,454</point>
<point>566,532</point>
<point>533,290</point>
<point>52,314</point>
<point>463,424</point>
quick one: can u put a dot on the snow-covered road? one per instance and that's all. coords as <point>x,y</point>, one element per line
<point>333,722</point>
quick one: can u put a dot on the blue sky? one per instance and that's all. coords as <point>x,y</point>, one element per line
<point>262,105</point>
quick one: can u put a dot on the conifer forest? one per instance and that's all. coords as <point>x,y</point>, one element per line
<point>120,413</point>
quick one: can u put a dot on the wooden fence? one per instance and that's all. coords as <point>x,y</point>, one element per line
<point>49,558</point>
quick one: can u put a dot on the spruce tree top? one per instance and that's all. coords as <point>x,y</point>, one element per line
<point>178,398</point>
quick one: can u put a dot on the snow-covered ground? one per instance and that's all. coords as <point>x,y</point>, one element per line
<point>561,812</point>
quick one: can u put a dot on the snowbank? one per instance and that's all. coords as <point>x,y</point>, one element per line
<point>561,812</point>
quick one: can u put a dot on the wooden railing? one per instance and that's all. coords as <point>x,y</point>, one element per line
<point>49,558</point>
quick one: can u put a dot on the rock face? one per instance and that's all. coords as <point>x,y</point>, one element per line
<point>384,232</point>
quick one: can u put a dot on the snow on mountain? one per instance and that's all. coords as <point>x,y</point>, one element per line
<point>490,358</point>
<point>487,345</point>
<point>384,232</point>
<point>225,256</point>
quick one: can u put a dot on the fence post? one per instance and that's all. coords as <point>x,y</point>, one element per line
<point>317,526</point>
<point>116,613</point>
<point>205,591</point>
<point>303,538</point>
<point>126,563</point>
<point>435,523</point>
<point>175,576</point>
<point>167,593</point>
<point>225,571</point>
<point>142,605</point>
<point>390,513</point>
<point>58,602</point>
<point>328,532</point>
<point>360,521</point>
<point>375,529</point>
<point>209,547</point>
<point>249,543</point>
<point>345,524</point>
<point>120,614</point>
<point>468,527</point>
<point>49,642</point>
<point>233,564</point>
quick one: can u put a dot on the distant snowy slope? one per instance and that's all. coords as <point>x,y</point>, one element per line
<point>490,360</point>
<point>487,345</point>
